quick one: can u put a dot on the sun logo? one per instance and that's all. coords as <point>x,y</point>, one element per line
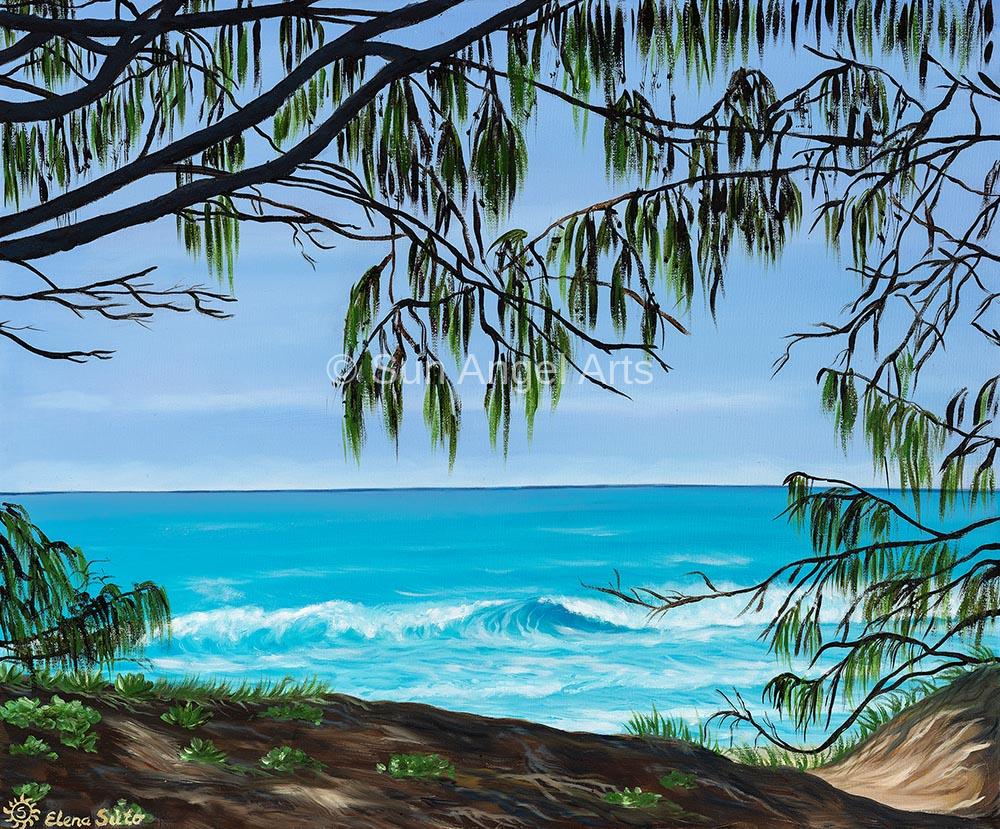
<point>21,813</point>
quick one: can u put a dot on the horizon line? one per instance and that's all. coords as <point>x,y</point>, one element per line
<point>417,488</point>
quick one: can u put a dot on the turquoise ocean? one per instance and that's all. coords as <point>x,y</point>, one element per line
<point>472,600</point>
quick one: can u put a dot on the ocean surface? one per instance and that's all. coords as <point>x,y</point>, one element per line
<point>472,600</point>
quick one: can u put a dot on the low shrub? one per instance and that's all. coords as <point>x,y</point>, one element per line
<point>32,791</point>
<point>204,751</point>
<point>73,682</point>
<point>421,766</point>
<point>134,687</point>
<point>190,715</point>
<point>633,798</point>
<point>11,675</point>
<point>33,747</point>
<point>677,780</point>
<point>72,720</point>
<point>294,711</point>
<point>286,760</point>
<point>124,813</point>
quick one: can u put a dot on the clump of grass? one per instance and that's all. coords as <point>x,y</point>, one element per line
<point>773,757</point>
<point>286,760</point>
<point>770,756</point>
<point>32,791</point>
<point>196,689</point>
<point>72,720</point>
<point>677,780</point>
<point>124,813</point>
<point>633,798</point>
<point>870,720</point>
<point>673,728</point>
<point>420,766</point>
<point>134,687</point>
<point>204,751</point>
<point>33,747</point>
<point>294,711</point>
<point>190,715</point>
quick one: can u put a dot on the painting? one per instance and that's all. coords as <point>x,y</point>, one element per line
<point>476,415</point>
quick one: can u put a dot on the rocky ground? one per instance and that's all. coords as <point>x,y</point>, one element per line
<point>509,773</point>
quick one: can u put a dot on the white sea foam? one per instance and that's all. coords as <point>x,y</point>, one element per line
<point>336,617</point>
<point>562,617</point>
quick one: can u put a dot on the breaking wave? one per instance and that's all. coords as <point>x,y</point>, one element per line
<point>332,620</point>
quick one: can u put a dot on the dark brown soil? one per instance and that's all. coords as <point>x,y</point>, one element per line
<point>509,774</point>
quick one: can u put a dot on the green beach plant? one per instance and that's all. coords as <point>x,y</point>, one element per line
<point>32,791</point>
<point>134,687</point>
<point>83,740</point>
<point>72,720</point>
<point>124,813</point>
<point>11,675</point>
<point>72,682</point>
<point>418,766</point>
<point>287,760</point>
<point>676,779</point>
<point>33,747</point>
<point>633,798</point>
<point>25,712</point>
<point>190,715</point>
<point>205,752</point>
<point>294,711</point>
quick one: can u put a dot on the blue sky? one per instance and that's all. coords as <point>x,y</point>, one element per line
<point>193,403</point>
<point>245,403</point>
